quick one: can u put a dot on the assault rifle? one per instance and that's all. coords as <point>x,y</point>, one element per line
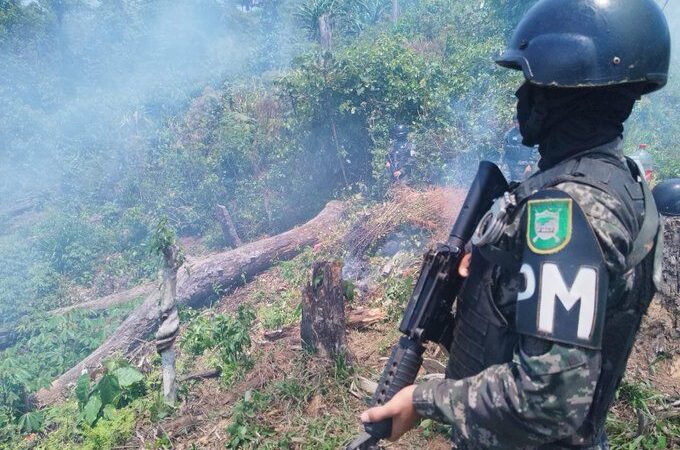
<point>429,314</point>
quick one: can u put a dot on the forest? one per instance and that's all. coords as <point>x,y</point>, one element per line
<point>244,143</point>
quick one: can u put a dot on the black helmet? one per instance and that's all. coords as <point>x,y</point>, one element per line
<point>582,43</point>
<point>667,197</point>
<point>399,132</point>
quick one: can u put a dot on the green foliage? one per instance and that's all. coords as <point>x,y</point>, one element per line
<point>227,335</point>
<point>273,139</point>
<point>118,386</point>
<point>397,293</point>
<point>347,18</point>
<point>349,290</point>
<point>295,271</point>
<point>31,422</point>
<point>285,310</point>
<point>640,420</point>
<point>112,429</point>
<point>73,245</point>
<point>430,428</point>
<point>293,393</point>
<point>346,105</point>
<point>243,433</point>
<point>50,344</point>
<point>310,12</point>
<point>163,237</point>
<point>14,395</point>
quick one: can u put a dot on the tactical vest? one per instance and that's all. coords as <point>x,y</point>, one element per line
<point>484,333</point>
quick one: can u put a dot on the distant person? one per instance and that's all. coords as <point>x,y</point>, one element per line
<point>646,162</point>
<point>519,158</point>
<point>401,153</point>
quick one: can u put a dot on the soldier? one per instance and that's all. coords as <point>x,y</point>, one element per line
<point>553,300</point>
<point>519,158</point>
<point>400,156</point>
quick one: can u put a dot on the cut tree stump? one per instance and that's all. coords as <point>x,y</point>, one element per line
<point>322,328</point>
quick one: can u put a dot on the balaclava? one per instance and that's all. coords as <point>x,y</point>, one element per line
<point>567,121</point>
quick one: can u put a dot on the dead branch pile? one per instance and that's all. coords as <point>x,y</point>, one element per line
<point>433,209</point>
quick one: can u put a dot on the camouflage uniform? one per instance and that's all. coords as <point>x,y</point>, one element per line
<point>544,393</point>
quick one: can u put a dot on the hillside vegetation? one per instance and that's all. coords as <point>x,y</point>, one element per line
<point>119,114</point>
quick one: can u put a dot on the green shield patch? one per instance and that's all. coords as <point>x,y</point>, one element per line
<point>548,225</point>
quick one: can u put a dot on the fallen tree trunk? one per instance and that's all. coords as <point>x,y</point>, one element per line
<point>200,282</point>
<point>118,298</point>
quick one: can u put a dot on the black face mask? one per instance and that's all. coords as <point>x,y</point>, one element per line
<point>566,121</point>
<point>530,117</point>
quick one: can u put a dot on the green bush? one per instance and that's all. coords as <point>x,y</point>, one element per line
<point>47,345</point>
<point>117,387</point>
<point>227,335</point>
<point>14,394</point>
<point>397,293</point>
<point>286,310</point>
<point>244,431</point>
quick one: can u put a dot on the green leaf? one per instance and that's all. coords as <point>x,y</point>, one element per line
<point>91,410</point>
<point>109,389</point>
<point>111,364</point>
<point>108,412</point>
<point>31,422</point>
<point>127,376</point>
<point>83,389</point>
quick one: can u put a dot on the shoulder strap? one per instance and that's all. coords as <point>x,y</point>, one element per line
<point>644,241</point>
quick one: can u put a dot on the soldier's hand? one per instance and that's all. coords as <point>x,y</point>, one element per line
<point>400,409</point>
<point>464,266</point>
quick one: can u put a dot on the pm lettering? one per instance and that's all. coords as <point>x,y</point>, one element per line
<point>583,290</point>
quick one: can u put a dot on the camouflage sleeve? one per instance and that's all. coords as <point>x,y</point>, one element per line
<point>602,211</point>
<point>529,401</point>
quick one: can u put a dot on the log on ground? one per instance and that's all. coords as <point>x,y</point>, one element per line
<point>198,284</point>
<point>141,291</point>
